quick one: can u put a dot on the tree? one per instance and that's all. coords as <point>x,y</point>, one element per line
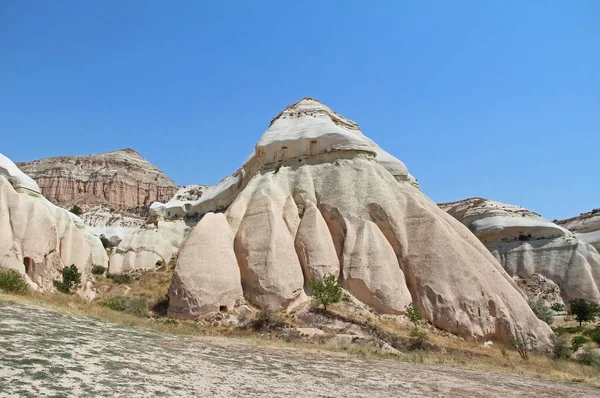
<point>326,291</point>
<point>583,310</point>
<point>105,242</point>
<point>542,311</point>
<point>71,278</point>
<point>76,210</point>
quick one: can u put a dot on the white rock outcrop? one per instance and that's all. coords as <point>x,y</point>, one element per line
<point>298,214</point>
<point>38,238</point>
<point>527,244</point>
<point>149,246</point>
<point>585,226</point>
<point>207,276</point>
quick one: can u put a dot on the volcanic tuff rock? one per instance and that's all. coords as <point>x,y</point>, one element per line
<point>38,238</point>
<point>121,180</point>
<point>586,227</point>
<point>527,244</point>
<point>296,214</point>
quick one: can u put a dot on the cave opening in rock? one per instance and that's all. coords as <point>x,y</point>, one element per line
<point>222,308</point>
<point>29,266</point>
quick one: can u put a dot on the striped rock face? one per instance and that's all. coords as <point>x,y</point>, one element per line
<point>319,197</point>
<point>528,245</point>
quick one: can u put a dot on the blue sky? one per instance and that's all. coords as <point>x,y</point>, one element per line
<point>499,100</point>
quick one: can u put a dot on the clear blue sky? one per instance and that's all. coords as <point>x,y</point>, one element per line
<point>500,100</point>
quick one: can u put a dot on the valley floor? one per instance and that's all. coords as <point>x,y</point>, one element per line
<point>47,353</point>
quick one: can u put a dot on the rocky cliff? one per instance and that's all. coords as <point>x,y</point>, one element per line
<point>295,215</point>
<point>586,227</point>
<point>536,252</point>
<point>119,180</point>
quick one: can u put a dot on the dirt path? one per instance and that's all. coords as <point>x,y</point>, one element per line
<point>44,353</point>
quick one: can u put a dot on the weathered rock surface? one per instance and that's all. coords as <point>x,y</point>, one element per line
<point>120,180</point>
<point>38,238</point>
<point>149,246</point>
<point>393,244</point>
<point>207,276</point>
<point>586,227</point>
<point>527,244</point>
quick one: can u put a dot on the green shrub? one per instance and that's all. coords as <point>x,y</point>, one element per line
<point>266,321</point>
<point>326,291</point>
<point>570,330</point>
<point>413,314</point>
<point>557,307</point>
<point>98,269</point>
<point>121,279</point>
<point>12,282</point>
<point>578,341</point>
<point>593,334</point>
<point>71,277</point>
<point>584,311</point>
<point>76,210</point>
<point>590,357</point>
<point>560,347</point>
<point>128,305</point>
<point>542,311</point>
<point>107,244</point>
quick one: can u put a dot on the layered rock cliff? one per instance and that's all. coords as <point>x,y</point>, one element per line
<point>586,227</point>
<point>295,214</point>
<point>537,252</point>
<point>118,180</point>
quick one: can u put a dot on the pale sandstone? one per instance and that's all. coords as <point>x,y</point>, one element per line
<point>393,244</point>
<point>207,276</point>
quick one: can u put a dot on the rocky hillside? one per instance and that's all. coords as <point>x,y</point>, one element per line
<point>586,227</point>
<point>292,213</point>
<point>547,260</point>
<point>119,180</point>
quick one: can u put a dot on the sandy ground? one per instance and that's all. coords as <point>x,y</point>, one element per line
<point>45,353</point>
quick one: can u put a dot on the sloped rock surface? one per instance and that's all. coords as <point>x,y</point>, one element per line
<point>393,244</point>
<point>526,244</point>
<point>585,226</point>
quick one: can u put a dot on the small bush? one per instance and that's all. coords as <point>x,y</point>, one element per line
<point>541,310</point>
<point>106,243</point>
<point>569,330</point>
<point>579,341</point>
<point>12,282</point>
<point>326,291</point>
<point>590,357</point>
<point>121,279</point>
<point>413,314</point>
<point>560,348</point>
<point>266,321</point>
<point>593,334</point>
<point>557,307</point>
<point>98,269</point>
<point>76,210</point>
<point>71,277</point>
<point>520,344</point>
<point>128,305</point>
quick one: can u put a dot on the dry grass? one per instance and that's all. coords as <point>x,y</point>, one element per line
<point>450,351</point>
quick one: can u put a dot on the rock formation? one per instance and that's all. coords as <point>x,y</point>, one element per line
<point>529,246</point>
<point>149,246</point>
<point>119,180</point>
<point>586,227</point>
<point>296,213</point>
<point>38,238</point>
